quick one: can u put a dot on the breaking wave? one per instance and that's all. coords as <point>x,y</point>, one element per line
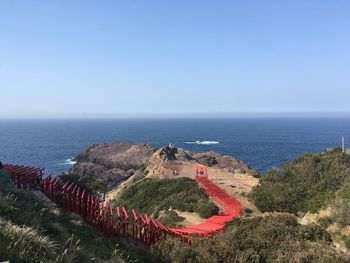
<point>203,142</point>
<point>69,161</point>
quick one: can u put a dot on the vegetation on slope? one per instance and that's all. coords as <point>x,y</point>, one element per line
<point>153,195</point>
<point>270,239</point>
<point>87,182</point>
<point>318,183</point>
<point>306,184</point>
<point>33,231</point>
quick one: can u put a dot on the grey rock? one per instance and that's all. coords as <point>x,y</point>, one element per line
<point>112,162</point>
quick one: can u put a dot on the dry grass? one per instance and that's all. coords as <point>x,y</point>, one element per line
<point>27,242</point>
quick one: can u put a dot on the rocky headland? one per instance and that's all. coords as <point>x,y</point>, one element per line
<point>112,163</point>
<point>117,165</point>
<point>170,160</point>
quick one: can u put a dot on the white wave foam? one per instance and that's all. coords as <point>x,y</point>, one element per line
<point>69,161</point>
<point>203,142</point>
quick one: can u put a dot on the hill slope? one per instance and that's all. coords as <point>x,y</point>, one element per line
<point>315,184</point>
<point>152,196</point>
<point>305,184</point>
<point>269,239</point>
<point>32,229</point>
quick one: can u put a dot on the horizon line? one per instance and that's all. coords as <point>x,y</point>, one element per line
<point>177,115</point>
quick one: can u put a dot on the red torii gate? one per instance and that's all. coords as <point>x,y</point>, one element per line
<point>117,224</point>
<point>134,225</point>
<point>94,211</point>
<point>65,195</point>
<point>201,171</point>
<point>99,214</point>
<point>25,177</point>
<point>230,206</point>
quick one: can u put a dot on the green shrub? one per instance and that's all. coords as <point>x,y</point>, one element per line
<point>305,184</point>
<point>261,239</point>
<point>88,182</point>
<point>313,233</point>
<point>151,195</point>
<point>9,211</point>
<point>325,221</point>
<point>346,241</point>
<point>206,209</point>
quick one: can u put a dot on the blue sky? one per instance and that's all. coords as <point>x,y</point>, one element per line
<point>121,58</point>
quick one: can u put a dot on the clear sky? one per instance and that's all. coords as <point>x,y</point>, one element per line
<point>115,58</point>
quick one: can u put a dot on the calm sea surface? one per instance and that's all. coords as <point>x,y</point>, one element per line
<point>263,143</point>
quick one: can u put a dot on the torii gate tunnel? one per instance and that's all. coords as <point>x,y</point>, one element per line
<point>117,221</point>
<point>230,207</point>
<point>110,221</point>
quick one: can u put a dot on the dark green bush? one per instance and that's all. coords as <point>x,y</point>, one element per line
<point>346,241</point>
<point>9,211</point>
<point>151,195</point>
<point>87,182</point>
<point>325,221</point>
<point>306,184</point>
<point>206,209</point>
<point>313,233</point>
<point>264,239</point>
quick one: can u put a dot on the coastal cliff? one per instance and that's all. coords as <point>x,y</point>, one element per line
<point>26,217</point>
<point>171,160</point>
<point>112,163</point>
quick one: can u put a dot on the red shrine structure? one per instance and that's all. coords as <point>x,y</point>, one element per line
<point>230,207</point>
<point>201,171</point>
<point>116,221</point>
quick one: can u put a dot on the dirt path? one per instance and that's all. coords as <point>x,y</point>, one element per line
<point>190,218</point>
<point>115,192</point>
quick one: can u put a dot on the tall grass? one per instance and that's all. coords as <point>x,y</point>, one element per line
<point>27,243</point>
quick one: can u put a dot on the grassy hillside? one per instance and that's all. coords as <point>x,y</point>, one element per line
<point>31,230</point>
<point>269,239</point>
<point>152,195</point>
<point>318,183</point>
<point>306,184</point>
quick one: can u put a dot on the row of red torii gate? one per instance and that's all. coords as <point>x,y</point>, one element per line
<point>118,222</point>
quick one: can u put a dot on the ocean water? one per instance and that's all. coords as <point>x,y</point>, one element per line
<point>263,143</point>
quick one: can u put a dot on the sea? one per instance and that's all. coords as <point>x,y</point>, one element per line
<point>262,143</point>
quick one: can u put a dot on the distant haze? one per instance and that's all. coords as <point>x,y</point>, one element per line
<point>83,59</point>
